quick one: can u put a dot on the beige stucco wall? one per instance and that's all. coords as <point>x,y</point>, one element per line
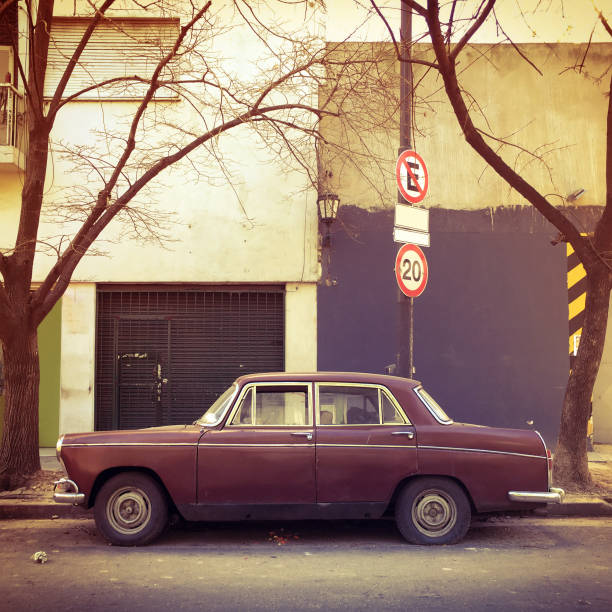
<point>233,212</point>
<point>301,327</point>
<point>258,225</point>
<point>558,147</point>
<point>78,358</point>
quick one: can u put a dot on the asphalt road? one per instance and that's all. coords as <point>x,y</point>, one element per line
<point>505,564</point>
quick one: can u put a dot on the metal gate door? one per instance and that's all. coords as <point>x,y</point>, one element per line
<point>162,357</point>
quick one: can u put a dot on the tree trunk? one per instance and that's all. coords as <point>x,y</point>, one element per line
<point>19,455</point>
<point>570,465</point>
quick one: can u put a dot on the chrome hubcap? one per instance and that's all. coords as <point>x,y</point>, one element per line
<point>434,513</point>
<point>128,510</point>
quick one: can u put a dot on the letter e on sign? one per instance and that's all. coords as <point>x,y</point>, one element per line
<point>411,270</point>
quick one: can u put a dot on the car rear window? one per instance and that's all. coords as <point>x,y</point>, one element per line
<point>436,410</point>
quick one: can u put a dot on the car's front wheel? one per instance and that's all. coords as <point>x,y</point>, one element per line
<point>433,511</point>
<point>131,509</point>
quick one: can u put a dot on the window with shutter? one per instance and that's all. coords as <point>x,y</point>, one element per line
<point>121,48</point>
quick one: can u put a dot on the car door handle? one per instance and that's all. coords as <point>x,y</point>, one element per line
<point>306,434</point>
<point>410,434</point>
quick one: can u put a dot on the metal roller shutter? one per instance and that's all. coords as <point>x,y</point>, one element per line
<point>163,356</point>
<point>117,48</point>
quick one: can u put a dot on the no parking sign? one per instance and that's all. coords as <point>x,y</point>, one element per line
<point>411,175</point>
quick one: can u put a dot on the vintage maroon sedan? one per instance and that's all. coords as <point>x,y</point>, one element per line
<point>299,446</point>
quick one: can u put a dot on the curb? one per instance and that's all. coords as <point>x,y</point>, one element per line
<point>594,508</point>
<point>41,510</point>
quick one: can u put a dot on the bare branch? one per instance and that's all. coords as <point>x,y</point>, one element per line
<point>516,48</point>
<point>605,23</point>
<point>4,4</point>
<point>477,23</point>
<point>398,52</point>
<point>131,139</point>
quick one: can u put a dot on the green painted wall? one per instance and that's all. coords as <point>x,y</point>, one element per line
<point>49,350</point>
<point>49,345</point>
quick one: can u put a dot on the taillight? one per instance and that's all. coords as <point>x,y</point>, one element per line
<point>549,463</point>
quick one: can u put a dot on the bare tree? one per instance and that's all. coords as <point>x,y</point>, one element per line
<point>274,98</point>
<point>593,250</point>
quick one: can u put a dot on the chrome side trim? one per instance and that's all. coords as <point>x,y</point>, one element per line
<point>179,444</point>
<point>67,497</point>
<point>541,438</point>
<point>369,446</point>
<point>78,444</point>
<point>554,496</point>
<point>480,450</point>
<point>261,445</point>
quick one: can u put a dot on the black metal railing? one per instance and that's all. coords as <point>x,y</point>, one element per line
<point>13,132</point>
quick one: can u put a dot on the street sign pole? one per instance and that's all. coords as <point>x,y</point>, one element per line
<point>405,355</point>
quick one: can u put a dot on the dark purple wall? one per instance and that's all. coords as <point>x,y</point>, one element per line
<point>491,329</point>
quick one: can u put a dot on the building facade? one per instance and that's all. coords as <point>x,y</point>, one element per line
<point>491,329</point>
<point>221,280</point>
<point>230,275</point>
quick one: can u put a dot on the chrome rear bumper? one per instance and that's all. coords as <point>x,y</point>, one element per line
<point>554,496</point>
<point>69,493</point>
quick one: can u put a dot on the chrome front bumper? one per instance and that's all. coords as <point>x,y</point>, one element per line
<point>554,496</point>
<point>69,493</point>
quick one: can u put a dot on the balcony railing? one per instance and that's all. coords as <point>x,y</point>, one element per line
<point>13,132</point>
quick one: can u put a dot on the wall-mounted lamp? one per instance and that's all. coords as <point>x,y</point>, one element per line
<point>328,204</point>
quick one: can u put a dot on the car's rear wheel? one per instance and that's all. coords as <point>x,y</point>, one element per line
<point>131,509</point>
<point>433,511</point>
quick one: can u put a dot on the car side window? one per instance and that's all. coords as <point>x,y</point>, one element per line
<point>271,405</point>
<point>356,405</point>
<point>244,414</point>
<point>390,412</point>
<point>347,405</point>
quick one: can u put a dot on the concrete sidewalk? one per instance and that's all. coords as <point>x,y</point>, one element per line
<point>37,503</point>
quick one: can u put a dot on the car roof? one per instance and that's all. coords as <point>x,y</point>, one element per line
<point>341,377</point>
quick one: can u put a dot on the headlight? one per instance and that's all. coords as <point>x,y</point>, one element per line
<point>58,447</point>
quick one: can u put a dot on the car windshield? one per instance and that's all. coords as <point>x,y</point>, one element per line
<point>213,415</point>
<point>436,410</point>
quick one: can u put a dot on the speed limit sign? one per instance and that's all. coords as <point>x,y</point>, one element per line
<point>411,270</point>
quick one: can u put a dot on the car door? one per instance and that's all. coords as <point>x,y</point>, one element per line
<point>265,453</point>
<point>365,443</point>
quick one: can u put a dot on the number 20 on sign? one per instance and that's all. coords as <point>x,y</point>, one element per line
<point>411,270</point>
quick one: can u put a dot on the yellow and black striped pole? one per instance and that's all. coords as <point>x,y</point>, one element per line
<point>576,300</point>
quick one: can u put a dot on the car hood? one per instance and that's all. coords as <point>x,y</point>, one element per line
<point>168,433</point>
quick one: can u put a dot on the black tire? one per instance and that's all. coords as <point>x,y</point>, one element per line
<point>131,509</point>
<point>433,511</point>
